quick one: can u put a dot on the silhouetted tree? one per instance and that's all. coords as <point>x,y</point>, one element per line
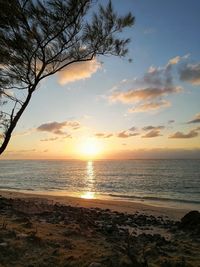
<point>39,38</point>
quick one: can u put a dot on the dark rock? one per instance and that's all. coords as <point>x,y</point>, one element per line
<point>191,221</point>
<point>95,264</point>
<point>27,225</point>
<point>32,237</point>
<point>4,244</point>
<point>125,262</point>
<point>155,238</point>
<point>110,229</point>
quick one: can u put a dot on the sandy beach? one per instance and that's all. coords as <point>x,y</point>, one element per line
<point>114,205</point>
<point>99,133</point>
<point>49,230</point>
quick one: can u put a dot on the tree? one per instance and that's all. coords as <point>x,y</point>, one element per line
<point>39,38</point>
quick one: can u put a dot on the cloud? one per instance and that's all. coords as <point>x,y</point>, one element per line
<point>174,60</point>
<point>78,71</point>
<point>20,151</point>
<point>196,119</point>
<point>57,127</point>
<point>162,76</point>
<point>150,127</point>
<point>150,106</point>
<point>135,95</point>
<point>150,90</point>
<point>191,134</point>
<point>157,153</point>
<point>103,135</point>
<point>171,121</point>
<point>49,139</point>
<point>24,133</point>
<point>157,77</point>
<point>177,59</point>
<point>122,134</point>
<point>126,134</point>
<point>190,73</point>
<point>151,134</point>
<point>133,129</point>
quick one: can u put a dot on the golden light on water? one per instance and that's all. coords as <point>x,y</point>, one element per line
<point>90,176</point>
<point>88,195</point>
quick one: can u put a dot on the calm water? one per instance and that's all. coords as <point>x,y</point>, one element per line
<point>173,182</point>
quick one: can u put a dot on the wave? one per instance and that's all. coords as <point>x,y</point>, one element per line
<point>9,188</point>
<point>156,199</point>
<point>16,188</point>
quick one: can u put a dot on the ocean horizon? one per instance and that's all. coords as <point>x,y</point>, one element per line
<point>162,182</point>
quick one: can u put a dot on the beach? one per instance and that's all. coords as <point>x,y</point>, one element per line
<point>114,205</point>
<point>53,230</point>
<point>99,133</point>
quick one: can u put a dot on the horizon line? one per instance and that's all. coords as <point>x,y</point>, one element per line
<point>101,159</point>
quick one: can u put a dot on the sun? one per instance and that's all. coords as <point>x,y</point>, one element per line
<point>90,148</point>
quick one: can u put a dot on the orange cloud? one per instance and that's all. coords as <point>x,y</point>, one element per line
<point>103,135</point>
<point>78,71</point>
<point>191,134</point>
<point>174,60</point>
<point>57,127</point>
<point>196,119</point>
<point>150,106</point>
<point>151,134</point>
<point>157,153</point>
<point>49,139</point>
<point>150,127</point>
<point>135,95</point>
<point>150,90</point>
<point>126,134</point>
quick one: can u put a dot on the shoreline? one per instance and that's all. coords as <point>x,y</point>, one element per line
<point>118,205</point>
<point>63,231</point>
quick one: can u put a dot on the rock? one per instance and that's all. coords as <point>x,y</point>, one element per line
<point>72,230</point>
<point>3,244</point>
<point>191,221</point>
<point>95,264</point>
<point>150,252</point>
<point>32,237</point>
<point>110,229</point>
<point>125,262</point>
<point>22,235</point>
<point>27,225</point>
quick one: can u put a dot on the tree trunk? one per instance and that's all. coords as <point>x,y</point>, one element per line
<point>14,123</point>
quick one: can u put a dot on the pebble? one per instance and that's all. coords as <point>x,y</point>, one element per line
<point>22,235</point>
<point>3,244</point>
<point>95,264</point>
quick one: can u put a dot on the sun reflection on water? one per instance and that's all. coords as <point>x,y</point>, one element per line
<point>88,195</point>
<point>90,181</point>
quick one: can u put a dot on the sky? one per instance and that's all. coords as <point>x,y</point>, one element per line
<point>111,108</point>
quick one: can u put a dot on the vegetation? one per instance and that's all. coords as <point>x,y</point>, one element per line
<point>40,38</point>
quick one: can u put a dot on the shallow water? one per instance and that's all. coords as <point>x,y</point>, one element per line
<point>173,182</point>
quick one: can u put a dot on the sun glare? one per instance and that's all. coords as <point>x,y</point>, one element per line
<point>90,148</point>
<point>88,195</point>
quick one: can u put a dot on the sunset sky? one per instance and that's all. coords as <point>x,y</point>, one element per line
<point>113,108</point>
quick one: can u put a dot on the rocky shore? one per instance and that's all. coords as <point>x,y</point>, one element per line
<point>38,232</point>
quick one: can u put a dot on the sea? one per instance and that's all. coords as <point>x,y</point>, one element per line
<point>169,183</point>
